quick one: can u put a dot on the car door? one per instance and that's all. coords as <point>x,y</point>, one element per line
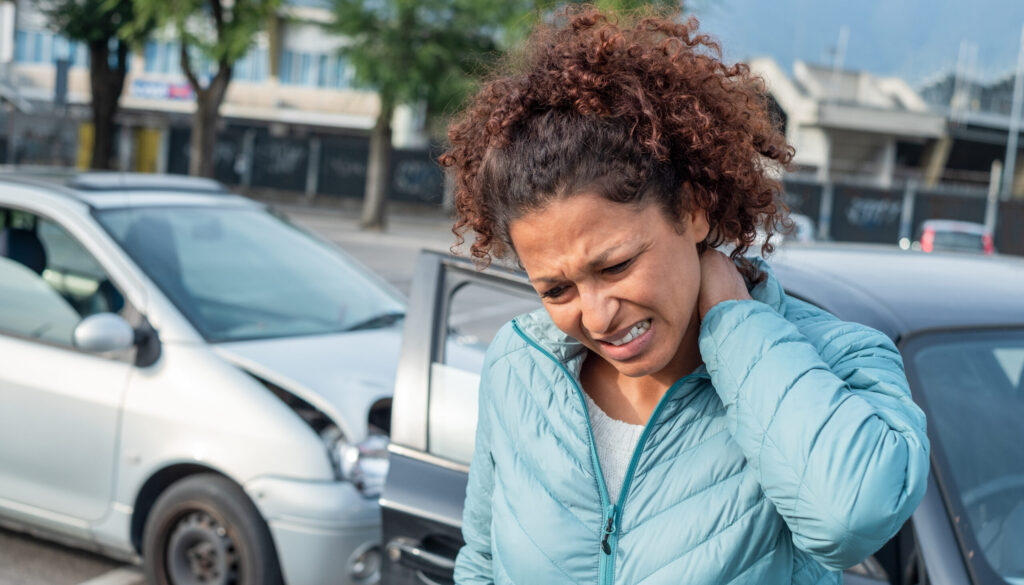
<point>60,406</point>
<point>454,312</point>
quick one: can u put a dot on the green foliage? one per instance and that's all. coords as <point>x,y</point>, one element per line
<point>95,20</point>
<point>220,30</point>
<point>435,50</point>
<point>429,50</point>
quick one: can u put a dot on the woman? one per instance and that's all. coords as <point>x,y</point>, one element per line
<point>670,416</point>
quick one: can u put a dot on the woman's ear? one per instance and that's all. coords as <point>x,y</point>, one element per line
<point>698,227</point>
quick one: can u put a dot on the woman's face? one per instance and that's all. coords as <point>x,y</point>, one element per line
<point>622,279</point>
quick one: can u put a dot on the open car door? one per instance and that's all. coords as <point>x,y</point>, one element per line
<point>454,312</point>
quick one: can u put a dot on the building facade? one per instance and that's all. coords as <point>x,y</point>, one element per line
<point>292,119</point>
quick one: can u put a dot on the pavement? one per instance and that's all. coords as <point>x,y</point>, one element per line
<point>25,560</point>
<point>409,228</point>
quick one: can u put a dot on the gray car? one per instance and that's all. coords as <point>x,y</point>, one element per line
<point>958,321</point>
<point>189,380</point>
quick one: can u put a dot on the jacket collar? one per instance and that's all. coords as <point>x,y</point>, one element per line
<point>539,327</point>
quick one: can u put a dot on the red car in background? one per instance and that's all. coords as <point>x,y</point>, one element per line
<point>954,236</point>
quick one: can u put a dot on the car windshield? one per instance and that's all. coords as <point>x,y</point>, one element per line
<point>242,273</point>
<point>973,388</point>
<point>960,241</point>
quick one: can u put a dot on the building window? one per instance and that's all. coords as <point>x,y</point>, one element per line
<point>321,71</point>
<point>60,49</point>
<point>306,77</point>
<point>252,66</point>
<point>260,64</point>
<point>242,71</point>
<point>37,47</point>
<point>285,68</point>
<point>149,54</point>
<point>342,74</point>
<point>33,46</point>
<point>21,46</point>
<point>81,55</point>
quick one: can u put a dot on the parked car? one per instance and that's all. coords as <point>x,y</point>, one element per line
<point>963,346</point>
<point>188,378</point>
<point>955,236</point>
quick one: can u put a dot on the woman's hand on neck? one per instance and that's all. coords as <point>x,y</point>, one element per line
<point>720,281</point>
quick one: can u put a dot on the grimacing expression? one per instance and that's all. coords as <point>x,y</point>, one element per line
<point>621,278</point>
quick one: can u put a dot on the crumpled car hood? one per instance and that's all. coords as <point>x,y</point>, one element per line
<point>341,374</point>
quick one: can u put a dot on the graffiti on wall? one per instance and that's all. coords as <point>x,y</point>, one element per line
<point>870,213</point>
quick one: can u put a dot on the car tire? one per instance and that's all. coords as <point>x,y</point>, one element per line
<point>205,530</point>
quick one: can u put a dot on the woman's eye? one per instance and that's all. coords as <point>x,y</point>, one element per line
<point>617,268</point>
<point>553,293</point>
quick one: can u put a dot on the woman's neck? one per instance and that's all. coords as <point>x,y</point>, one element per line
<point>625,398</point>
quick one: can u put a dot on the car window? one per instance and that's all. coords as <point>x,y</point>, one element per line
<point>48,281</point>
<point>475,313</point>
<point>963,241</point>
<point>973,386</point>
<point>242,273</point>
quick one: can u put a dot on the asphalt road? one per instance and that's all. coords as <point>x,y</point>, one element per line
<point>25,560</point>
<point>28,561</point>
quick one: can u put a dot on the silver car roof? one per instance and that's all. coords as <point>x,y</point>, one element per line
<point>104,190</point>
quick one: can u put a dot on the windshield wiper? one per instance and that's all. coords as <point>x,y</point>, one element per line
<point>382,320</point>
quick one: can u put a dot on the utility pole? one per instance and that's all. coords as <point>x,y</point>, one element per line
<point>956,98</point>
<point>838,61</point>
<point>1011,140</point>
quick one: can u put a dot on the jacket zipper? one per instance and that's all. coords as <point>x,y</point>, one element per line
<point>609,528</point>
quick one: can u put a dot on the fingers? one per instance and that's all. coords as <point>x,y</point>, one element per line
<point>720,281</point>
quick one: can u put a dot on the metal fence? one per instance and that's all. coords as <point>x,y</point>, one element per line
<point>316,165</point>
<point>851,212</point>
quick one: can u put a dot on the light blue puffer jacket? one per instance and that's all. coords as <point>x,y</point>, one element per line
<point>793,453</point>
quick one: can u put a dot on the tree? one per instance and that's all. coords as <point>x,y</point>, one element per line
<point>214,34</point>
<point>427,51</point>
<point>416,52</point>
<point>109,28</point>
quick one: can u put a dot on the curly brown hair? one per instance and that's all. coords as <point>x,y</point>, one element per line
<point>636,109</point>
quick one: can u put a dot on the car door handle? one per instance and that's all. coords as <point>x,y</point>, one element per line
<point>409,554</point>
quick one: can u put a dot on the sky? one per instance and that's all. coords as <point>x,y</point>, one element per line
<point>918,40</point>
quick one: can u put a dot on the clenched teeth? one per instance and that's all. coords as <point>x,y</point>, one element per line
<point>637,330</point>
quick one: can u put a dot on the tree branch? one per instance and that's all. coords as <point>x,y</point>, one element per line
<point>218,18</point>
<point>186,68</point>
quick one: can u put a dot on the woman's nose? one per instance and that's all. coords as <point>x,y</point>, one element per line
<point>597,311</point>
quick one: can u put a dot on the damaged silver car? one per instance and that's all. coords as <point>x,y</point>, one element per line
<point>190,382</point>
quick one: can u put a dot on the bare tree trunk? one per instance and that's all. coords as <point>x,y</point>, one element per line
<point>106,84</point>
<point>378,172</point>
<point>204,123</point>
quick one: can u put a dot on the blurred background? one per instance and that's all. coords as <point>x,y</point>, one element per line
<point>899,112</point>
<point>905,116</point>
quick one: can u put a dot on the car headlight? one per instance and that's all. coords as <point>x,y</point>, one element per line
<point>364,464</point>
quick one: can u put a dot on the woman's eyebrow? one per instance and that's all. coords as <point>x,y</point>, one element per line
<point>601,259</point>
<point>597,263</point>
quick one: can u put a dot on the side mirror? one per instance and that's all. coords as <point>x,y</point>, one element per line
<point>103,332</point>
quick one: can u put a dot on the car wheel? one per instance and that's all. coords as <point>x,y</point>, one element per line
<point>204,530</point>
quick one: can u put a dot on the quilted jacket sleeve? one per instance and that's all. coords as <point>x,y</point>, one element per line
<point>822,411</point>
<point>473,563</point>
